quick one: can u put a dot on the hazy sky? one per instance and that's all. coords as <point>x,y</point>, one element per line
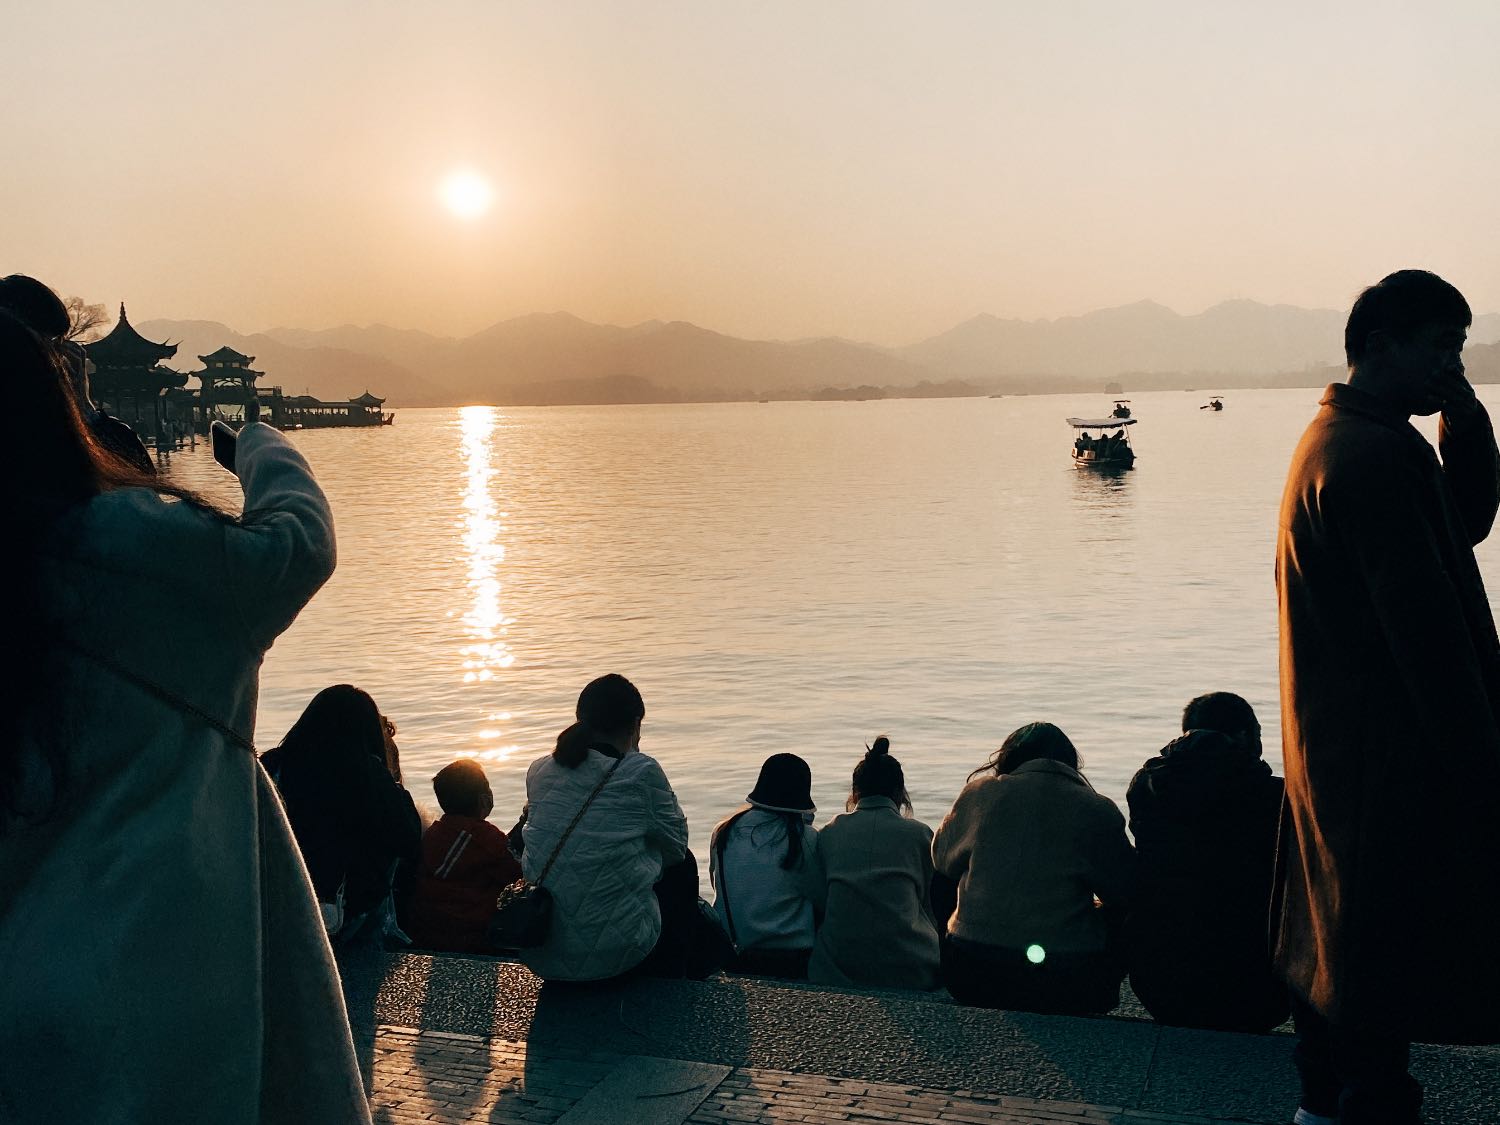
<point>873,170</point>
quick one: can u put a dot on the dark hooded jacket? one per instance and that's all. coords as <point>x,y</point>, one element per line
<point>1388,872</point>
<point>1204,814</point>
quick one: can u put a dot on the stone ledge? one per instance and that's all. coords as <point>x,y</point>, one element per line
<point>892,1040</point>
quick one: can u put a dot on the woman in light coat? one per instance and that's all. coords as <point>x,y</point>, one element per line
<point>624,886</point>
<point>164,959</point>
<point>874,878</point>
<point>1032,847</point>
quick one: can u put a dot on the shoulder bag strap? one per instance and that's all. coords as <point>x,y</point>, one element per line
<point>155,690</point>
<point>551,859</point>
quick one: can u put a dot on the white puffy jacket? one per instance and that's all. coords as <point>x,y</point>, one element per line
<point>604,916</point>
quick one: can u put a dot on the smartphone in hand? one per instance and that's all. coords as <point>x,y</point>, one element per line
<point>224,442</point>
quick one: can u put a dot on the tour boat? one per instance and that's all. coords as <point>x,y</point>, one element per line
<point>1109,447</point>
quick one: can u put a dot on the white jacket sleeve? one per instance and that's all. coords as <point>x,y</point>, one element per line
<point>282,549</point>
<point>667,827</point>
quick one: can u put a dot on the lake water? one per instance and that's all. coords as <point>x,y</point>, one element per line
<point>794,577</point>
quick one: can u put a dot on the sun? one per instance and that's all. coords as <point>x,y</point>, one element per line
<point>466,194</point>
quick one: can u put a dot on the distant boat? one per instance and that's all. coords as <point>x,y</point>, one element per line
<point>1122,408</point>
<point>1215,403</point>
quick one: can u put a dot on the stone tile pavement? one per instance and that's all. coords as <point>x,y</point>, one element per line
<point>443,1078</point>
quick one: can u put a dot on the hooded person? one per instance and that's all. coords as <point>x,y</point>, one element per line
<point>1204,814</point>
<point>759,863</point>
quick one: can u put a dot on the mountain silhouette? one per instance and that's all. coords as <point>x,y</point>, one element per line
<point>332,373</point>
<point>557,357</point>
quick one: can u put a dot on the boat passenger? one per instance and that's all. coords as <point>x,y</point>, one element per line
<point>760,860</point>
<point>875,873</point>
<point>164,958</point>
<point>466,862</point>
<point>625,889</point>
<point>1031,847</point>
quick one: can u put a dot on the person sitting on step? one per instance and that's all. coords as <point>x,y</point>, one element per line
<point>759,860</point>
<point>465,864</point>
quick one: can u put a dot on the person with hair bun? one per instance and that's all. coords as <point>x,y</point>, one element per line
<point>759,861</point>
<point>624,884</point>
<point>1032,847</point>
<point>874,874</point>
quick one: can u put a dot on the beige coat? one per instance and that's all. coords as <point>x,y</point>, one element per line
<point>870,878</point>
<point>163,958</point>
<point>1389,869</point>
<point>1030,850</point>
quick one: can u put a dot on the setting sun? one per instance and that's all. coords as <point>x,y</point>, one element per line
<point>466,194</point>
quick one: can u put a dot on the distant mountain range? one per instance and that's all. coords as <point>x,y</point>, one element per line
<point>548,358</point>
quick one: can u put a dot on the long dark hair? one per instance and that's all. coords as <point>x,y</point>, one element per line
<point>61,468</point>
<point>337,730</point>
<point>789,824</point>
<point>1030,743</point>
<point>879,775</point>
<point>606,707</point>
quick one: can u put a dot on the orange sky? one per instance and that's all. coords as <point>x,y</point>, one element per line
<point>877,171</point>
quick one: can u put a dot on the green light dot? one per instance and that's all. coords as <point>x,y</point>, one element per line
<point>1035,954</point>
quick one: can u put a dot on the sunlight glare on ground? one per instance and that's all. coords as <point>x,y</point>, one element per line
<point>466,194</point>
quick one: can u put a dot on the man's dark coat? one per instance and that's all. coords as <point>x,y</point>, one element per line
<point>1388,873</point>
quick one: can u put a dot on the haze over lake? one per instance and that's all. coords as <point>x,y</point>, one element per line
<point>795,577</point>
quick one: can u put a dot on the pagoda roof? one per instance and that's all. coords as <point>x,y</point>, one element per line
<point>226,354</point>
<point>123,346</point>
<point>367,399</point>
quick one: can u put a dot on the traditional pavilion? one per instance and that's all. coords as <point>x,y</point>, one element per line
<point>128,380</point>
<point>228,391</point>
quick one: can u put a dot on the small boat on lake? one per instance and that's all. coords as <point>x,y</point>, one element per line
<point>1108,448</point>
<point>1215,403</point>
<point>1122,408</point>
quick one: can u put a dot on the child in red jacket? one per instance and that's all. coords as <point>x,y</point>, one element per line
<point>465,863</point>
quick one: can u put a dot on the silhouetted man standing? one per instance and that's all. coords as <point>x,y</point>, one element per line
<point>1388,874</point>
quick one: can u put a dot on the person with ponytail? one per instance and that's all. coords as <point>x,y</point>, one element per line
<point>164,956</point>
<point>759,861</point>
<point>624,884</point>
<point>874,867</point>
<point>1031,847</point>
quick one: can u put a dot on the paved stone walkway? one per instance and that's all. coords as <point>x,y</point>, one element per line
<point>445,1077</point>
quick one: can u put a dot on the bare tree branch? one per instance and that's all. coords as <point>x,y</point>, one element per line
<point>85,318</point>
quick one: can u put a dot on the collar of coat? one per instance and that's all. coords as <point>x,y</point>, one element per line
<point>1047,765</point>
<point>876,803</point>
<point>1343,396</point>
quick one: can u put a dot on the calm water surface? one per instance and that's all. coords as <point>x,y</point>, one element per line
<point>794,576</point>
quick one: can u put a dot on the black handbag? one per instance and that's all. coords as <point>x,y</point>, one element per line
<point>523,911</point>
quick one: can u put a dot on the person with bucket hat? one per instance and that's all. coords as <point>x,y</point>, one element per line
<point>760,862</point>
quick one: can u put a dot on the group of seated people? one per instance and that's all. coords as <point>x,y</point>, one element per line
<point>1029,896</point>
<point>1103,446</point>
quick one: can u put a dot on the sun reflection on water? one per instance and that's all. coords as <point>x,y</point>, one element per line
<point>485,652</point>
